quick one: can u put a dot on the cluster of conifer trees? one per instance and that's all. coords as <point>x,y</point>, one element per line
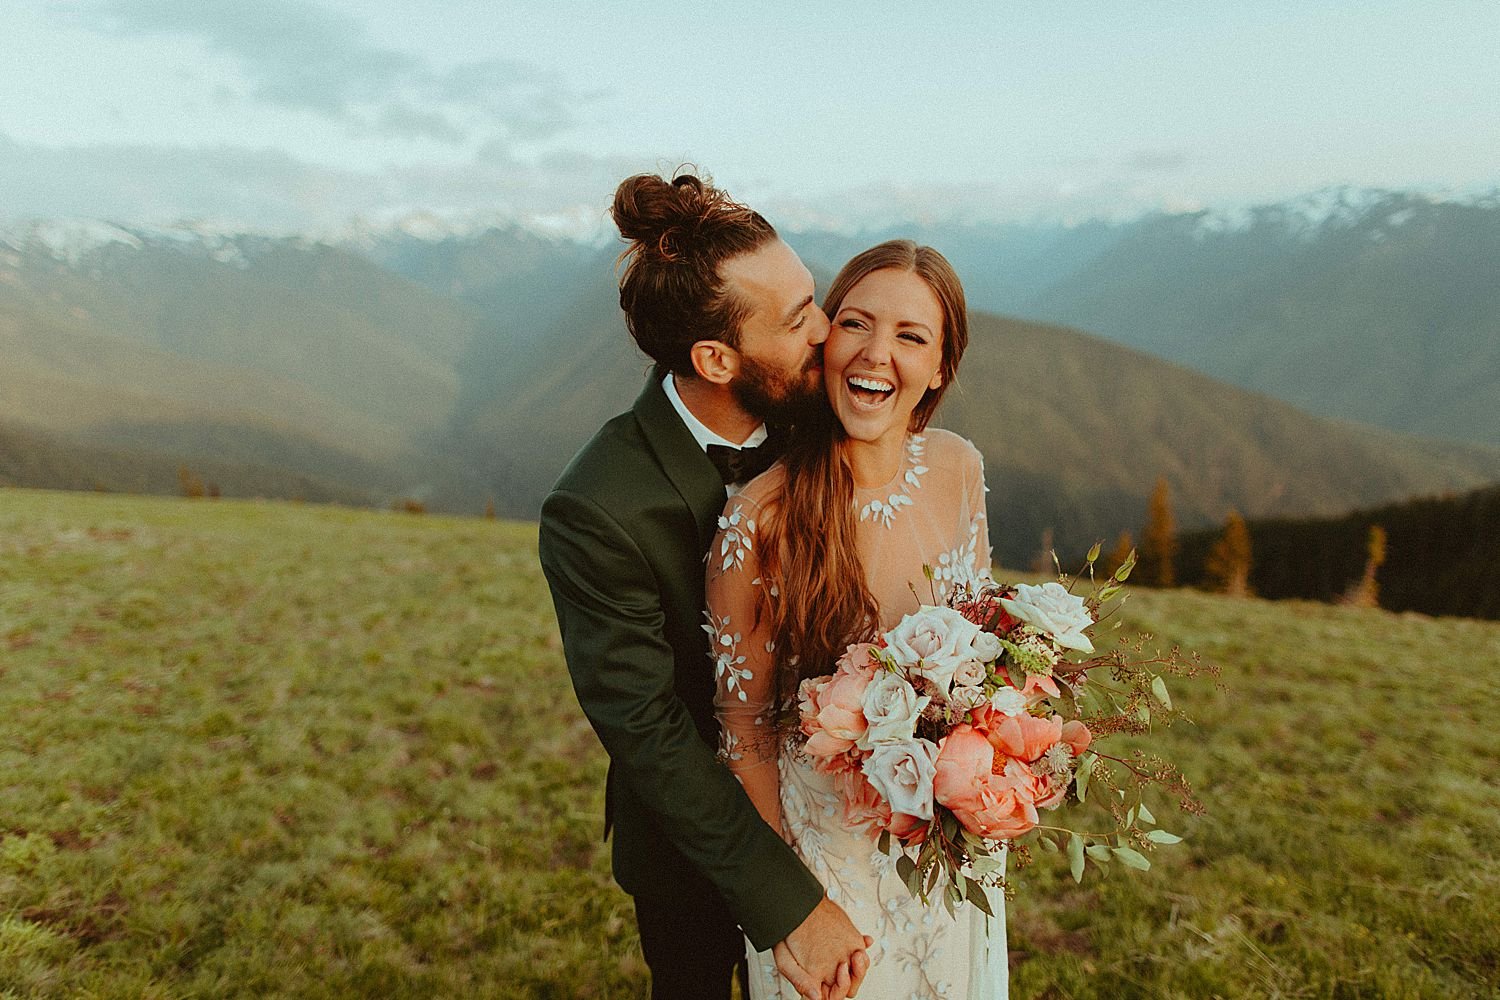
<point>1435,555</point>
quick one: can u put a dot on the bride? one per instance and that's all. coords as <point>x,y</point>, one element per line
<point>827,548</point>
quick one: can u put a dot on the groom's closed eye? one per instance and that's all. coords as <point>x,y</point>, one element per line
<point>798,316</point>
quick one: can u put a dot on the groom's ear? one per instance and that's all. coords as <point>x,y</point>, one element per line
<point>715,361</point>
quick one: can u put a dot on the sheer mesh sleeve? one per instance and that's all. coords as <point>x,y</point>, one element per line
<point>979,520</point>
<point>744,698</point>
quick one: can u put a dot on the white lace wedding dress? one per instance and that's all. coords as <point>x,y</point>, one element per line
<point>932,513</point>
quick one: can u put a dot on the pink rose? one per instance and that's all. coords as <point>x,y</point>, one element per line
<point>995,806</point>
<point>859,656</point>
<point>864,808</point>
<point>908,828</point>
<point>832,710</point>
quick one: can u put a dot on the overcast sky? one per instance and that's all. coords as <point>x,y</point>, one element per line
<point>300,114</point>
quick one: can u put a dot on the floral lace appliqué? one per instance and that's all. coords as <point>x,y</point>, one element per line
<point>961,565</point>
<point>885,510</point>
<point>725,652</point>
<point>737,541</point>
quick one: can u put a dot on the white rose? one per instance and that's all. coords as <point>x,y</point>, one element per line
<point>902,773</point>
<point>892,708</point>
<point>966,696</point>
<point>986,646</point>
<point>932,643</point>
<point>970,673</point>
<point>1053,610</point>
<point>1008,701</point>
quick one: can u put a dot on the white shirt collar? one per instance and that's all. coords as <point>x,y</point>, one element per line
<point>701,433</point>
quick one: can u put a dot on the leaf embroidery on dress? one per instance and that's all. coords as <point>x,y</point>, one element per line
<point>725,653</point>
<point>885,510</point>
<point>961,565</point>
<point>735,540</point>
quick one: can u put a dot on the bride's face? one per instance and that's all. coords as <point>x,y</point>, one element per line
<point>884,352</point>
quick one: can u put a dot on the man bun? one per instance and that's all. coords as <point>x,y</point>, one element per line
<point>669,219</point>
<point>680,232</point>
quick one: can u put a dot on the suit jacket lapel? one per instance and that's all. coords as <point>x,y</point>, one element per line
<point>689,469</point>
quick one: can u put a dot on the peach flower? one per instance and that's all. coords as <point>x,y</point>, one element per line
<point>832,708</point>
<point>1046,791</point>
<point>1076,735</point>
<point>995,806</point>
<point>1026,737</point>
<point>864,808</point>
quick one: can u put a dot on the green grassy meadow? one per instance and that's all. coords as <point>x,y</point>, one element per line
<point>275,750</point>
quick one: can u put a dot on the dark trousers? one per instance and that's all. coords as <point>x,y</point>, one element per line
<point>692,946</point>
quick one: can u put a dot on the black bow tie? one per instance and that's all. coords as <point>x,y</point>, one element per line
<point>740,465</point>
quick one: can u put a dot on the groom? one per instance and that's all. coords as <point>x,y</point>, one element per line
<point>726,311</point>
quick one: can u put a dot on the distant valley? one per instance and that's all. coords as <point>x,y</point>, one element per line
<point>462,368</point>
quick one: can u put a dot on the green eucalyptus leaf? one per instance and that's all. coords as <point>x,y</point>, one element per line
<point>1132,858</point>
<point>976,895</point>
<point>1159,688</point>
<point>1099,853</point>
<point>913,880</point>
<point>1075,856</point>
<point>1163,837</point>
<point>1145,813</point>
<point>1082,775</point>
<point>885,842</point>
<point>986,866</point>
<point>1047,844</point>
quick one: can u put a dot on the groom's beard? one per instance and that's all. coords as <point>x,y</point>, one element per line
<point>773,395</point>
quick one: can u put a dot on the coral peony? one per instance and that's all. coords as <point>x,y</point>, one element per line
<point>996,806</point>
<point>1025,737</point>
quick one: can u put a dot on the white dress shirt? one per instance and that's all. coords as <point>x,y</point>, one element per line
<point>702,433</point>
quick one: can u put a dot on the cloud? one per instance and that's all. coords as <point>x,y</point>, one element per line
<point>296,54</point>
<point>267,190</point>
<point>1156,161</point>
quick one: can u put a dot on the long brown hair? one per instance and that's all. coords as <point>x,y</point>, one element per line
<point>680,232</point>
<point>823,600</point>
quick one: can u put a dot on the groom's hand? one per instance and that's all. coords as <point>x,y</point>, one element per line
<point>824,958</point>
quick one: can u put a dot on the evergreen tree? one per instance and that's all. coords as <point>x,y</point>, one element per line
<point>1041,562</point>
<point>1158,549</point>
<point>1228,564</point>
<point>188,483</point>
<point>1365,592</point>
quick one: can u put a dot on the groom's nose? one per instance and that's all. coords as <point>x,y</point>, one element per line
<point>819,328</point>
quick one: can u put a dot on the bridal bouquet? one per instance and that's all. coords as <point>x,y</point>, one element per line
<point>953,731</point>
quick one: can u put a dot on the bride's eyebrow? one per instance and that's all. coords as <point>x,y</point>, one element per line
<point>854,309</point>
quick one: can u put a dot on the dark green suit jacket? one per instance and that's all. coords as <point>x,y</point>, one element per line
<point>623,539</point>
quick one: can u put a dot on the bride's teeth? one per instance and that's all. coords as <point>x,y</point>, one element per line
<point>874,385</point>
